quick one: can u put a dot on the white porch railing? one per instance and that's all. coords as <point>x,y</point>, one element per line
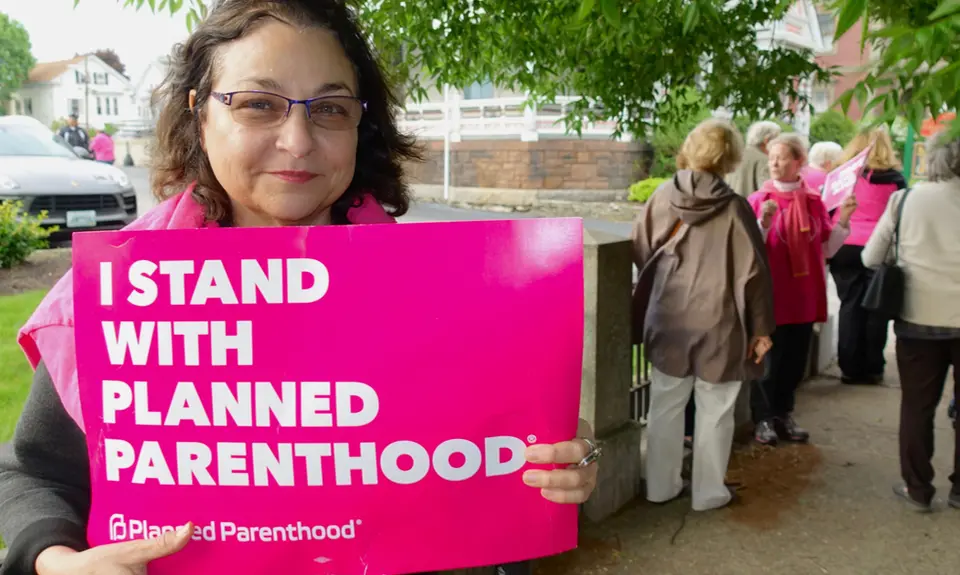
<point>496,118</point>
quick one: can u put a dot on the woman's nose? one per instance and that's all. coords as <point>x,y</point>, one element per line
<point>297,134</point>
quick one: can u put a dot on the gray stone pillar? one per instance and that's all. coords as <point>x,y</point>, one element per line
<point>608,370</point>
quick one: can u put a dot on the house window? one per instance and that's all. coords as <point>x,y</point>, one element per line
<point>28,106</point>
<point>478,91</point>
<point>116,109</point>
<point>99,107</point>
<point>74,106</point>
<point>16,107</point>
<point>821,99</point>
<point>78,76</point>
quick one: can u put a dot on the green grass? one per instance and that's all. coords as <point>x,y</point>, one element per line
<point>15,372</point>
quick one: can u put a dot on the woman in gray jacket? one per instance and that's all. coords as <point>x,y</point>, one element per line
<point>928,329</point>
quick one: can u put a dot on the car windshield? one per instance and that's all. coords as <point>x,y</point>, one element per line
<point>29,141</point>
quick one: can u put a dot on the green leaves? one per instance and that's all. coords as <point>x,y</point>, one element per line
<point>917,74</point>
<point>850,13</point>
<point>946,8</point>
<point>586,8</point>
<point>16,59</point>
<point>611,11</point>
<point>691,16</point>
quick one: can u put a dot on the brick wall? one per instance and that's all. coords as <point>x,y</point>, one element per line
<point>545,164</point>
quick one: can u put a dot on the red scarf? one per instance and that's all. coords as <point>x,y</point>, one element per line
<point>796,228</point>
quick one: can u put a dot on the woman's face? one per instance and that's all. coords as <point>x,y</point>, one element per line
<point>784,167</point>
<point>292,173</point>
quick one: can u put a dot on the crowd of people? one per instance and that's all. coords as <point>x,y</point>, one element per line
<point>734,252</point>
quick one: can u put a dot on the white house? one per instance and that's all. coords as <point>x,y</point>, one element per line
<point>149,80</point>
<point>84,85</point>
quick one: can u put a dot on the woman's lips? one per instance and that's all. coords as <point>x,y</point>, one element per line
<point>296,177</point>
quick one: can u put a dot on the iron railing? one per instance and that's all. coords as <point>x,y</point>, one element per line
<point>640,387</point>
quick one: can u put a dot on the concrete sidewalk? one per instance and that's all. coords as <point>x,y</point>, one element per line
<point>826,508</point>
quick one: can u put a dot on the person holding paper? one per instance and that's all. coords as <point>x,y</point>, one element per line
<point>798,234</point>
<point>863,335</point>
<point>710,315</point>
<point>928,329</point>
<point>275,114</point>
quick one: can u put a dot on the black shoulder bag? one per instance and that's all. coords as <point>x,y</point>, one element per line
<point>884,295</point>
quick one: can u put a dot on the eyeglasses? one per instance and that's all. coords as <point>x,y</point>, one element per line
<point>266,110</point>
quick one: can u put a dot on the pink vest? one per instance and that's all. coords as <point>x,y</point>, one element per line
<point>872,201</point>
<point>48,334</point>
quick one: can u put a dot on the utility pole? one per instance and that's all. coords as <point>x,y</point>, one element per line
<point>86,91</point>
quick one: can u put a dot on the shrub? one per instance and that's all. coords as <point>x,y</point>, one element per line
<point>832,126</point>
<point>642,190</point>
<point>20,233</point>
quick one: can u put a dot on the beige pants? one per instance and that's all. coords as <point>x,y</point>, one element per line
<point>713,438</point>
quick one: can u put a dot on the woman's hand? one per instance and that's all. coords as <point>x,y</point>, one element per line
<point>847,208</point>
<point>126,558</point>
<point>767,211</point>
<point>570,484</point>
<point>759,346</point>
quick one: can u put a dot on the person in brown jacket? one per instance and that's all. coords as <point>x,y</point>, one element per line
<point>752,171</point>
<point>704,310</point>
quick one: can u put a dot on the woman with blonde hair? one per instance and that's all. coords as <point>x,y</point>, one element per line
<point>707,316</point>
<point>798,233</point>
<point>863,335</point>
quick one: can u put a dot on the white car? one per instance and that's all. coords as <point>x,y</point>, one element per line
<point>39,168</point>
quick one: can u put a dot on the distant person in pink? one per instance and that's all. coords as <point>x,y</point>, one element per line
<point>824,157</point>
<point>102,147</point>
<point>863,335</point>
<point>798,234</point>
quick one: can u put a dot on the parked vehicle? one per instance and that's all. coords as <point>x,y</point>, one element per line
<point>47,175</point>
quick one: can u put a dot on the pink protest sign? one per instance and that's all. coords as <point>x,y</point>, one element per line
<point>842,181</point>
<point>338,400</point>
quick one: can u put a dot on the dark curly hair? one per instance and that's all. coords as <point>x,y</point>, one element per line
<point>178,158</point>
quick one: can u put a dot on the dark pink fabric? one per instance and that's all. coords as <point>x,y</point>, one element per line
<point>796,299</point>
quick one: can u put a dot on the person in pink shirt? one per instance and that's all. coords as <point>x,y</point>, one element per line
<point>824,157</point>
<point>798,234</point>
<point>863,335</point>
<point>102,147</point>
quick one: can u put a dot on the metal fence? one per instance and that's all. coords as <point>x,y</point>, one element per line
<point>640,387</point>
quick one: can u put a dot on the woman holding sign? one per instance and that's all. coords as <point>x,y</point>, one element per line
<point>863,335</point>
<point>275,114</point>
<point>799,235</point>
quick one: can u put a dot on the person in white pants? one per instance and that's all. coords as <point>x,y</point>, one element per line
<point>704,310</point>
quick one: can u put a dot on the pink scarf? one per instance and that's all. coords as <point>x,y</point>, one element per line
<point>48,334</point>
<point>795,224</point>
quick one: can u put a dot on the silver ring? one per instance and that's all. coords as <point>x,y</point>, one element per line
<point>593,455</point>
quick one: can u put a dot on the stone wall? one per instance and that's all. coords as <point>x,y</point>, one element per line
<point>552,164</point>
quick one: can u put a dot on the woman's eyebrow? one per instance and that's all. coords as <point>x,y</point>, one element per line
<point>333,87</point>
